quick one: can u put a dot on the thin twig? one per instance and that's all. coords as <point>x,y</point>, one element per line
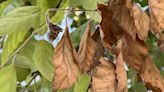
<point>34,76</point>
<point>70,9</point>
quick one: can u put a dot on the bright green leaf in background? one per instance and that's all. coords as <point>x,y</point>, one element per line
<point>43,59</point>
<point>8,79</point>
<point>20,19</point>
<point>134,85</point>
<point>143,3</point>
<point>82,83</point>
<point>89,5</point>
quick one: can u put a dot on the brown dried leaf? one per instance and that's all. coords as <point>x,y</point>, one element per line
<point>130,17</point>
<point>141,21</point>
<point>87,50</point>
<point>121,74</point>
<point>66,68</point>
<point>134,52</point>
<point>151,76</point>
<point>100,49</point>
<point>54,31</point>
<point>109,29</point>
<point>104,78</point>
<point>156,8</point>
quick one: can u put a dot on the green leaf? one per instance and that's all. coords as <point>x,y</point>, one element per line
<point>11,44</point>
<point>20,19</point>
<point>135,86</point>
<point>82,83</point>
<point>8,79</point>
<point>43,59</point>
<point>78,33</point>
<point>24,57</point>
<point>44,5</point>
<point>22,73</point>
<point>143,3</point>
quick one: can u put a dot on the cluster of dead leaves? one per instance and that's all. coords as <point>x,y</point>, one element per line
<point>123,30</point>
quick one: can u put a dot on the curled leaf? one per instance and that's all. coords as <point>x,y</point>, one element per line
<point>134,52</point>
<point>100,49</point>
<point>151,76</point>
<point>130,17</point>
<point>66,68</point>
<point>54,31</point>
<point>121,74</point>
<point>109,29</point>
<point>87,50</point>
<point>104,78</point>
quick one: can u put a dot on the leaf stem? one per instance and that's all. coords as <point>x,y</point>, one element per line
<point>34,76</point>
<point>70,9</point>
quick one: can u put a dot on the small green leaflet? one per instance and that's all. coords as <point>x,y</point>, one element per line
<point>8,79</point>
<point>42,59</point>
<point>11,44</point>
<point>20,19</point>
<point>82,83</point>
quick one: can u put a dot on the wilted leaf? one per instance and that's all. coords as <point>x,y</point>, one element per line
<point>100,49</point>
<point>121,74</point>
<point>130,17</point>
<point>134,52</point>
<point>151,76</point>
<point>141,21</point>
<point>87,50</point>
<point>104,78</point>
<point>109,29</point>
<point>156,8</point>
<point>42,59</point>
<point>8,79</point>
<point>54,31</point>
<point>66,68</point>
